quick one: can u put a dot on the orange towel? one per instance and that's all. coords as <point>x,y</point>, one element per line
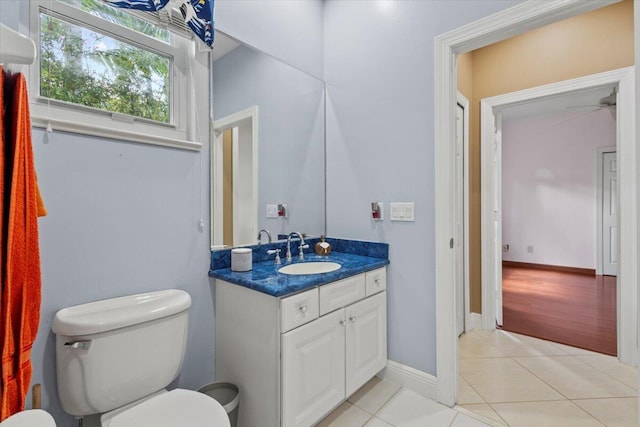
<point>21,280</point>
<point>3,328</point>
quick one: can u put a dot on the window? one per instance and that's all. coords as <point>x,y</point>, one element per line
<point>107,72</point>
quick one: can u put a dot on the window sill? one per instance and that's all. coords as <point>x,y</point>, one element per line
<point>113,133</point>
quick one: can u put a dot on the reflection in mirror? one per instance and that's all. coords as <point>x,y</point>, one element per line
<point>267,153</point>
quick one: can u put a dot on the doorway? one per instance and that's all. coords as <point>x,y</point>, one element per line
<point>548,178</point>
<point>624,175</point>
<point>234,179</point>
<point>516,20</point>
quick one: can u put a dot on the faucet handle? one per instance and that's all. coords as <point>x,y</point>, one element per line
<point>276,261</point>
<point>300,251</point>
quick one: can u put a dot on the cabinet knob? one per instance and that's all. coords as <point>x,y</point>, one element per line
<point>377,281</point>
<point>343,323</point>
<point>353,319</point>
<point>304,308</point>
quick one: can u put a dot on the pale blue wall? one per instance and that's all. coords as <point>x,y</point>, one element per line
<point>287,29</point>
<point>379,69</point>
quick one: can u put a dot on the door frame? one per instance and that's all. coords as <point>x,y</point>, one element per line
<point>248,115</point>
<point>491,188</point>
<point>516,20</point>
<point>464,103</point>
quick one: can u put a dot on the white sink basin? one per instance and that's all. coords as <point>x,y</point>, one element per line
<point>310,268</point>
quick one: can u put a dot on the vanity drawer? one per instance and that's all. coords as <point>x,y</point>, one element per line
<point>298,309</point>
<point>376,281</point>
<point>341,293</point>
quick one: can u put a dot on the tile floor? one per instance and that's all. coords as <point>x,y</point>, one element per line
<point>507,379</point>
<point>380,403</point>
<point>522,381</point>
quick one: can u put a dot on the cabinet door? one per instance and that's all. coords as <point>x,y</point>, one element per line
<point>313,370</point>
<point>366,352</point>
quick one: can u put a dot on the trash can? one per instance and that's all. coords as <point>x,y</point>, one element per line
<point>228,395</point>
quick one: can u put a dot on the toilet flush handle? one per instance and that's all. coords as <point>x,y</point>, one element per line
<point>78,345</point>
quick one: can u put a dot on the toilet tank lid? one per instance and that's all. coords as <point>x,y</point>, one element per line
<point>116,313</point>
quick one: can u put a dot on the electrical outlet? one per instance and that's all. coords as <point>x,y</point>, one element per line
<point>530,249</point>
<point>505,248</point>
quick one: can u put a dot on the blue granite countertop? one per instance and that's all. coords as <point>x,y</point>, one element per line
<point>265,276</point>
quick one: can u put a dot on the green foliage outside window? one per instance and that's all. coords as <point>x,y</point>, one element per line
<point>81,66</point>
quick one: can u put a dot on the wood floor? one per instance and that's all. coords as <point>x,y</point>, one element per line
<point>573,309</point>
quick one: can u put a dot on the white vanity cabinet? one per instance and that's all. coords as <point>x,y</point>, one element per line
<point>296,358</point>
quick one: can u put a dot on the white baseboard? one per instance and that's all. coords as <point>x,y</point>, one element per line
<point>475,321</point>
<point>420,382</point>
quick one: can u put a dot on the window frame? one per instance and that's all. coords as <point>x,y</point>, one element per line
<point>77,118</point>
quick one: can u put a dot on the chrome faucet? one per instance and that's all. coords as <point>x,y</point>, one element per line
<point>260,234</point>
<point>302,246</point>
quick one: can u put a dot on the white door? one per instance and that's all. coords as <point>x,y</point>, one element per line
<point>497,216</point>
<point>609,215</point>
<point>458,274</point>
<point>366,350</point>
<point>313,370</point>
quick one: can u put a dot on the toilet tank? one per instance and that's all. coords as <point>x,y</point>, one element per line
<point>113,352</point>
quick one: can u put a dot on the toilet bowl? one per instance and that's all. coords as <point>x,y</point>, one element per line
<point>30,418</point>
<point>115,357</point>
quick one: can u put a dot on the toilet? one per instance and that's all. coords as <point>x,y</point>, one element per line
<point>115,357</point>
<point>29,418</point>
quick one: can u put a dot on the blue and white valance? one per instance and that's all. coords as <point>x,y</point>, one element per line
<point>197,14</point>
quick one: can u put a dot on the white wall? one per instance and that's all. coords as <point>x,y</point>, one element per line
<point>549,186</point>
<point>379,64</point>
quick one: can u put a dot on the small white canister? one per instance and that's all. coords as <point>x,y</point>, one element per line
<point>241,259</point>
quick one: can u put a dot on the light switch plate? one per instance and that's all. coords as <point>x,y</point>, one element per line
<point>403,212</point>
<point>272,211</point>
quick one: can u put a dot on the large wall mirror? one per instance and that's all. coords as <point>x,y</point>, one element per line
<point>268,147</point>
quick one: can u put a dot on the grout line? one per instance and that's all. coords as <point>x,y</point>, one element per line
<point>472,388</point>
<point>525,368</point>
<point>604,398</point>
<point>385,403</point>
<point>609,375</point>
<point>498,414</point>
<point>480,417</point>
<point>453,419</point>
<point>368,419</point>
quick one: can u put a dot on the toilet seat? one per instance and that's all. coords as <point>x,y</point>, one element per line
<point>184,408</point>
<point>30,418</point>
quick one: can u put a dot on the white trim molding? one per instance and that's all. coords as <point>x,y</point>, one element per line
<point>464,176</point>
<point>475,321</point>
<point>420,382</point>
<point>508,23</point>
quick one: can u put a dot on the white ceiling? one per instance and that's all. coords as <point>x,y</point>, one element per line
<point>580,101</point>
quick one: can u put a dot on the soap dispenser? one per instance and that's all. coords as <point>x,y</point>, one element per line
<point>322,247</point>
